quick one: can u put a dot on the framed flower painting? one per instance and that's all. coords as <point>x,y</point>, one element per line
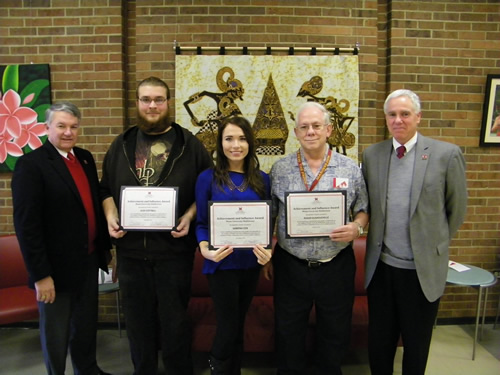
<point>24,98</point>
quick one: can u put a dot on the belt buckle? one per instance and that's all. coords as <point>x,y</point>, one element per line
<point>313,263</point>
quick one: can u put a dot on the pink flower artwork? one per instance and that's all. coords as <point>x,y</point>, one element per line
<point>8,147</point>
<point>24,100</point>
<point>13,116</point>
<point>18,126</point>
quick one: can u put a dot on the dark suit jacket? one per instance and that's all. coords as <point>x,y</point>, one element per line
<point>437,207</point>
<point>50,219</point>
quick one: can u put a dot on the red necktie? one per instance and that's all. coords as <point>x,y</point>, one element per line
<point>71,157</point>
<point>400,151</point>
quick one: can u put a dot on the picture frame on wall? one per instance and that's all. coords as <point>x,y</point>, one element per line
<point>25,95</point>
<point>490,125</point>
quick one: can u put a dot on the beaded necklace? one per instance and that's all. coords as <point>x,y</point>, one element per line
<point>241,187</point>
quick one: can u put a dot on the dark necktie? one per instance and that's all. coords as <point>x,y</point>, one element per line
<point>71,157</point>
<point>400,151</point>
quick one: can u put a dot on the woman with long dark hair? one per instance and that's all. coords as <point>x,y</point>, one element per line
<point>232,274</point>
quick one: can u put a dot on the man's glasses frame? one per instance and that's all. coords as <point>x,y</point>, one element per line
<point>147,101</point>
<point>315,127</point>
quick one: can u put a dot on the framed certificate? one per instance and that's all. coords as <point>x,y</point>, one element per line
<point>315,213</point>
<point>148,208</point>
<point>241,224</point>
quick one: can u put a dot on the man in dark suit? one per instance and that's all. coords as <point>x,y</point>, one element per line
<point>63,237</point>
<point>418,200</point>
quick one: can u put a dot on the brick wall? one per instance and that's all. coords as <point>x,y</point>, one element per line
<point>443,50</point>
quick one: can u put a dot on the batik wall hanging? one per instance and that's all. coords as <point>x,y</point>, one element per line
<point>268,90</point>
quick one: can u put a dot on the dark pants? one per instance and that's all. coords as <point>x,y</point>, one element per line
<point>155,299</point>
<point>232,292</point>
<point>71,321</point>
<point>397,306</point>
<point>330,287</point>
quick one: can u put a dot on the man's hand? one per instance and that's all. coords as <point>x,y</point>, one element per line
<point>268,271</point>
<point>263,255</point>
<point>111,213</point>
<point>182,228</point>
<point>114,228</point>
<point>45,290</point>
<point>345,233</point>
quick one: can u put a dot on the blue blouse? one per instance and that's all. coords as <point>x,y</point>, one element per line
<point>207,190</point>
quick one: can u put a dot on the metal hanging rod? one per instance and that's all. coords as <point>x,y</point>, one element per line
<point>291,50</point>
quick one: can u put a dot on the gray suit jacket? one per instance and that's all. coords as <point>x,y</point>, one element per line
<point>437,208</point>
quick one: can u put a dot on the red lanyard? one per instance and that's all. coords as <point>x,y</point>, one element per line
<point>320,174</point>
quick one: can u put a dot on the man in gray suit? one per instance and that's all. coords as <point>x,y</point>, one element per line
<point>418,200</point>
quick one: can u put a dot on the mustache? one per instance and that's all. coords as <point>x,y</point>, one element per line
<point>147,126</point>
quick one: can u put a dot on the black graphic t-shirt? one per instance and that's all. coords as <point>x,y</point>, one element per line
<point>151,154</point>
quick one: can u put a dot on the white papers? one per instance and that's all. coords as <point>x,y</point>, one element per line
<point>457,266</point>
<point>105,278</point>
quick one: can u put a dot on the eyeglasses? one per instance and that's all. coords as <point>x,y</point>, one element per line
<point>147,101</point>
<point>305,128</point>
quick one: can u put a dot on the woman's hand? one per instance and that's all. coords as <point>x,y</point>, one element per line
<point>263,255</point>
<point>215,255</point>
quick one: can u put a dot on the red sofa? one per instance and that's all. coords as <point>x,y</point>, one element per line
<point>259,327</point>
<point>17,301</point>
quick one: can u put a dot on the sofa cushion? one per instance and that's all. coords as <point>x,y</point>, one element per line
<point>259,325</point>
<point>17,301</point>
<point>12,269</point>
<point>17,304</point>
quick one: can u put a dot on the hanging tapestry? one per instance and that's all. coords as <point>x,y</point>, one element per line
<point>24,98</point>
<point>268,90</point>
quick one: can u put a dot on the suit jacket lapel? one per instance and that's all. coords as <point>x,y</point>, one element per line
<point>422,155</point>
<point>56,161</point>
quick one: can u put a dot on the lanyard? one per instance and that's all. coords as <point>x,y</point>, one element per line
<point>320,174</point>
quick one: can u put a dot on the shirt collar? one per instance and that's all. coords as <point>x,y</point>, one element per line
<point>64,153</point>
<point>408,145</point>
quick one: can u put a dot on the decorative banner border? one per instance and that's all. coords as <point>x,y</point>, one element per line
<point>268,90</point>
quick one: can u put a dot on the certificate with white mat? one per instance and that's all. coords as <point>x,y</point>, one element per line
<point>314,213</point>
<point>241,224</point>
<point>148,208</point>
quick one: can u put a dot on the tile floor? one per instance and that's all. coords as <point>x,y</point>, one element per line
<point>451,352</point>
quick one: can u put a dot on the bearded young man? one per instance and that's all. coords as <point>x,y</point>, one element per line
<point>154,267</point>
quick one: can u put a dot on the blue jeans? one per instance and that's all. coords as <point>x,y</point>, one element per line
<point>155,296</point>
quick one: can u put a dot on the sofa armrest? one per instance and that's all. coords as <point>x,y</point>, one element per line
<point>359,246</point>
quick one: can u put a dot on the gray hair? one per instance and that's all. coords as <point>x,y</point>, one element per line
<point>306,105</point>
<point>62,107</point>
<point>409,94</point>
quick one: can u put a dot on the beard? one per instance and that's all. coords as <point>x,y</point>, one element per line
<point>155,127</point>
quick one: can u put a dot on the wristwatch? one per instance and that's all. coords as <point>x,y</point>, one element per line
<point>361,230</point>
